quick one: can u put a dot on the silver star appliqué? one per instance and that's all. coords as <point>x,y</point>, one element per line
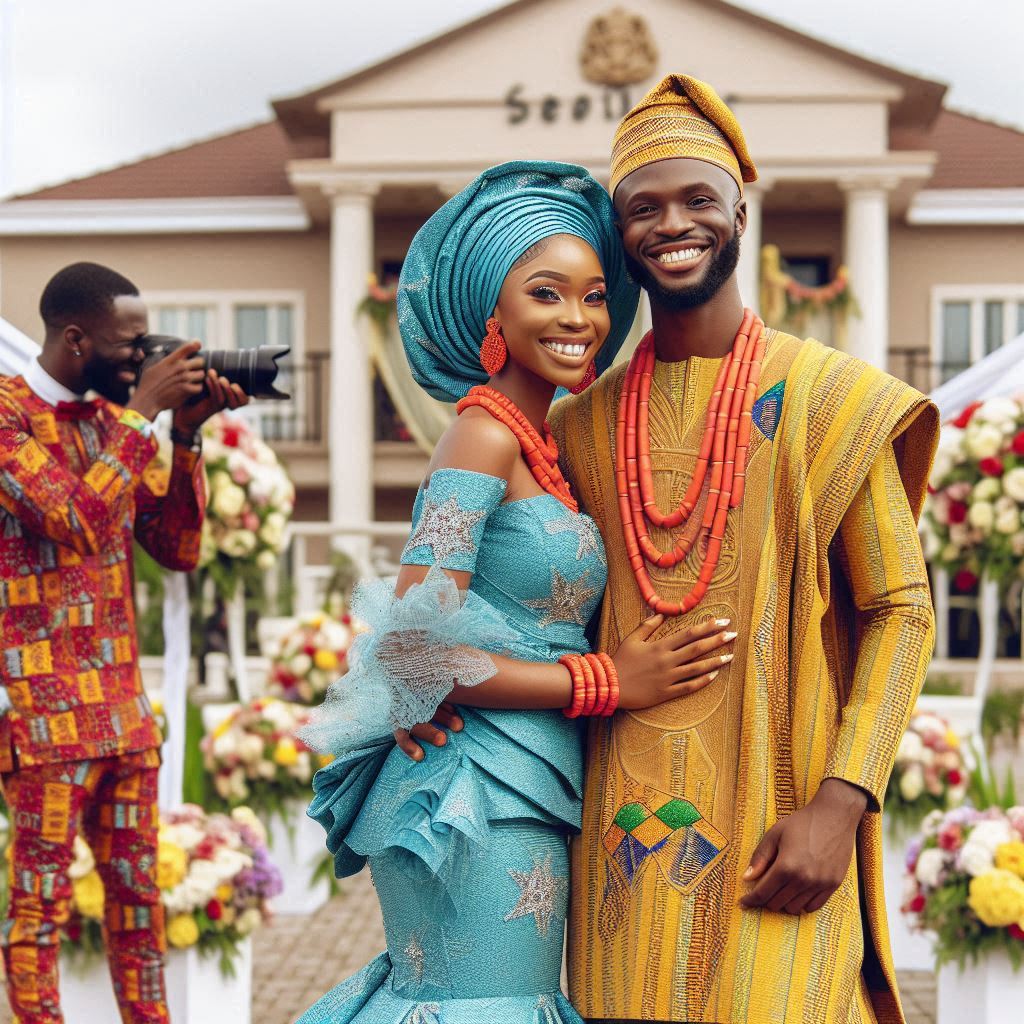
<point>540,892</point>
<point>567,601</point>
<point>587,537</point>
<point>447,529</point>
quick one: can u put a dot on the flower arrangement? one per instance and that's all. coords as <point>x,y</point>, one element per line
<point>379,302</point>
<point>255,758</point>
<point>930,772</point>
<point>215,877</point>
<point>973,522</point>
<point>310,657</point>
<point>965,882</point>
<point>251,499</point>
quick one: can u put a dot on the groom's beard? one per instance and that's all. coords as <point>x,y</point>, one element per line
<point>722,267</point>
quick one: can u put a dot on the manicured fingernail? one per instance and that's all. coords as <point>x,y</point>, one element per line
<point>730,636</point>
<point>726,657</point>
<point>712,676</point>
<point>440,741</point>
<point>722,623</point>
<point>748,872</point>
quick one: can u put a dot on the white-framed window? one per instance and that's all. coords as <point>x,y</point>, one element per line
<point>244,319</point>
<point>971,321</point>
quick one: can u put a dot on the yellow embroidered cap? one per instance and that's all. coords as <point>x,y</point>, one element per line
<point>681,117</point>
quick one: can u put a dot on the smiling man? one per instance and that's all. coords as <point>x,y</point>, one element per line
<point>729,868</point>
<point>79,744</point>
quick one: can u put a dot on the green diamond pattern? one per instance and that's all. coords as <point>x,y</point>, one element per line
<point>631,815</point>
<point>675,814</point>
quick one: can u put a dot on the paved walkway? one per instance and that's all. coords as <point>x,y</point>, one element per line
<point>298,958</point>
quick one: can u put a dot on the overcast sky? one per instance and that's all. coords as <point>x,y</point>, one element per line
<point>88,85</point>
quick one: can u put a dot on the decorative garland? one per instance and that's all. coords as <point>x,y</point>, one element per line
<point>784,300</point>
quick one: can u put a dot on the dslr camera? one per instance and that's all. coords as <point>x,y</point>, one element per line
<point>252,369</point>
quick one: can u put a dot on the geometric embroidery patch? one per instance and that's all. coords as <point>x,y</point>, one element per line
<point>767,410</point>
<point>637,831</point>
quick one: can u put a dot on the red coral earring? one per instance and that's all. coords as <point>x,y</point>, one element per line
<point>588,378</point>
<point>493,351</point>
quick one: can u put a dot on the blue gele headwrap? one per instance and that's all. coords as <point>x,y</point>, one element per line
<point>459,259</point>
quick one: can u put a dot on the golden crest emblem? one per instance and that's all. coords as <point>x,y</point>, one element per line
<point>618,49</point>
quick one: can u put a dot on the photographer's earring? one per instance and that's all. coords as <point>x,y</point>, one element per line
<point>77,351</point>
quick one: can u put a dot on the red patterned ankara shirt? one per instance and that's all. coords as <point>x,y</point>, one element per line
<point>72,495</point>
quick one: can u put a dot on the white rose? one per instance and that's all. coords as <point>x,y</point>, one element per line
<point>984,441</point>
<point>1008,521</point>
<point>219,480</point>
<point>1017,544</point>
<point>930,544</point>
<point>271,534</point>
<point>238,543</point>
<point>986,490</point>
<point>229,501</point>
<point>941,468</point>
<point>929,867</point>
<point>960,535</point>
<point>225,745</point>
<point>975,858</point>
<point>931,823</point>
<point>950,440</point>
<point>250,749</point>
<point>301,664</point>
<point>266,769</point>
<point>248,921</point>
<point>207,544</point>
<point>981,516</point>
<point>1002,411</point>
<point>246,816</point>
<point>260,488</point>
<point>991,835</point>
<point>1013,483</point>
<point>266,560</point>
<point>910,748</point>
<point>188,837</point>
<point>950,553</point>
<point>912,783</point>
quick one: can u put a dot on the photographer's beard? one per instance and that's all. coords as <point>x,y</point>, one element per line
<point>104,378</point>
<point>722,266</point>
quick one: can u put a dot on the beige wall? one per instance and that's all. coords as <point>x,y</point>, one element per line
<point>925,257</point>
<point>257,261</point>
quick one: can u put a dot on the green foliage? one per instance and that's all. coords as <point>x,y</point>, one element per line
<point>943,686</point>
<point>1002,715</point>
<point>196,785</point>
<point>324,871</point>
<point>149,619</point>
<point>983,788</point>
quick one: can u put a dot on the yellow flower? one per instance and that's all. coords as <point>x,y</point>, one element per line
<point>326,661</point>
<point>1010,856</point>
<point>171,865</point>
<point>224,893</point>
<point>324,760</point>
<point>182,931</point>
<point>285,753</point>
<point>157,706</point>
<point>997,897</point>
<point>952,740</point>
<point>88,895</point>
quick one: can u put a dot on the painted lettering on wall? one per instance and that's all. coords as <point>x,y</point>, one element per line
<point>610,104</point>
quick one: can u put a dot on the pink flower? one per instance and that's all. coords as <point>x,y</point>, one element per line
<point>951,837</point>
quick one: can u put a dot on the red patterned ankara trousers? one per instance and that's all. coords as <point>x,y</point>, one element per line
<point>113,801</point>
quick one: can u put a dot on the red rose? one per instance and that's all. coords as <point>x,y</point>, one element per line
<point>965,580</point>
<point>1017,444</point>
<point>346,619</point>
<point>957,511</point>
<point>231,436</point>
<point>1016,932</point>
<point>310,649</point>
<point>954,778</point>
<point>214,911</point>
<point>991,467</point>
<point>965,417</point>
<point>917,904</point>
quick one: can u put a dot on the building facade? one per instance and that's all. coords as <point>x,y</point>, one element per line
<point>268,234</point>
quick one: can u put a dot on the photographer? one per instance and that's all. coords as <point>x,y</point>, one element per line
<point>79,745</point>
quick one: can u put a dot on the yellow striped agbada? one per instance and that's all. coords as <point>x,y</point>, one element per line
<point>822,575</point>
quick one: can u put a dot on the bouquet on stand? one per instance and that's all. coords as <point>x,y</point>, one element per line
<point>930,772</point>
<point>215,878</point>
<point>310,657</point>
<point>254,757</point>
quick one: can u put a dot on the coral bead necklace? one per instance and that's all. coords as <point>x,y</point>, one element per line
<point>723,449</point>
<point>540,453</point>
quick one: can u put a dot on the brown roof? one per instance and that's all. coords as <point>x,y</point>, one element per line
<point>247,162</point>
<point>973,153</point>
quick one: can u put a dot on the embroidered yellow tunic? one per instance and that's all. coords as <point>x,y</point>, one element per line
<point>822,575</point>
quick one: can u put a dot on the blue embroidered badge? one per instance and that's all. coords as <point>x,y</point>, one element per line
<point>768,410</point>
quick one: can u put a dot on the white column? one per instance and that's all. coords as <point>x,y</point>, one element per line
<point>749,270</point>
<point>350,397</point>
<point>866,255</point>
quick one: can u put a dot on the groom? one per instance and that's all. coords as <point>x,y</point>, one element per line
<point>729,868</point>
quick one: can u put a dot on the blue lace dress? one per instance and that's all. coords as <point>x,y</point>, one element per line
<point>468,848</point>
